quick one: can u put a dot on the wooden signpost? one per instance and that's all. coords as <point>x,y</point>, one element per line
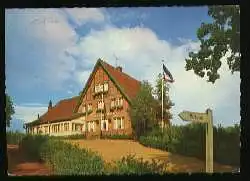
<point>206,118</point>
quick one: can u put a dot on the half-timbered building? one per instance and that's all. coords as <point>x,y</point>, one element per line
<point>102,108</point>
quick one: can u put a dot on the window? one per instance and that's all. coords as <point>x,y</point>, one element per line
<point>84,126</point>
<point>104,125</point>
<point>100,88</point>
<point>57,128</point>
<point>118,123</point>
<point>89,107</point>
<point>78,127</point>
<point>119,102</point>
<point>112,103</point>
<point>46,129</point>
<point>66,126</point>
<point>96,89</point>
<point>106,86</point>
<point>84,109</point>
<point>91,126</point>
<point>100,105</point>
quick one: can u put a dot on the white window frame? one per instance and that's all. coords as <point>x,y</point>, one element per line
<point>89,107</point>
<point>84,126</point>
<point>121,123</point>
<point>119,120</point>
<point>106,87</point>
<point>106,122</point>
<point>101,88</point>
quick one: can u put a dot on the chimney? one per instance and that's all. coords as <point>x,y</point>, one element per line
<point>50,105</point>
<point>119,68</point>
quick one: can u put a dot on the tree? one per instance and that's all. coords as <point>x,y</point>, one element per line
<point>142,110</point>
<point>167,103</point>
<point>217,38</point>
<point>9,109</point>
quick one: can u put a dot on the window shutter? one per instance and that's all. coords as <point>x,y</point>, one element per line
<point>107,124</point>
<point>106,87</point>
<point>122,126</point>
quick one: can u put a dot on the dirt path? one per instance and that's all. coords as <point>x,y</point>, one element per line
<point>19,165</point>
<point>115,149</point>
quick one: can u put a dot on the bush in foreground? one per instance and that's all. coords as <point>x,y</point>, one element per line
<point>14,137</point>
<point>131,165</point>
<point>67,159</point>
<point>31,145</point>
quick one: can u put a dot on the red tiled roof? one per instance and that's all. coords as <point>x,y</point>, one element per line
<point>62,110</point>
<point>130,85</point>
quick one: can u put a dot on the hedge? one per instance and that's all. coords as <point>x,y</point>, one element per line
<point>190,139</point>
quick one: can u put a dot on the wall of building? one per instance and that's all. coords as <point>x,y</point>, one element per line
<point>94,117</point>
<point>64,128</point>
<point>113,93</point>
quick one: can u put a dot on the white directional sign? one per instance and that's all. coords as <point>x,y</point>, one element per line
<point>193,116</point>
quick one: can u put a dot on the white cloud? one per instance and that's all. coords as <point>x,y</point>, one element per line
<point>33,104</point>
<point>83,15</point>
<point>28,112</point>
<point>140,52</point>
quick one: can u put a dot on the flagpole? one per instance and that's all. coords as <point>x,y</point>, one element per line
<point>162,97</point>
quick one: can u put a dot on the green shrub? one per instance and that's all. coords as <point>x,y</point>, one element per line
<point>14,137</point>
<point>67,159</point>
<point>130,165</point>
<point>31,145</point>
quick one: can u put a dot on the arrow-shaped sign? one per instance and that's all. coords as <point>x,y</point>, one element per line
<point>203,118</point>
<point>193,116</point>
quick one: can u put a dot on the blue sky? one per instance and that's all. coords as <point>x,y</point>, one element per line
<point>51,52</point>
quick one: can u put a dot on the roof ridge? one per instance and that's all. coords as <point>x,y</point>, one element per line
<point>57,104</point>
<point>124,73</point>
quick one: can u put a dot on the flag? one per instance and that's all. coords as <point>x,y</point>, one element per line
<point>167,75</point>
